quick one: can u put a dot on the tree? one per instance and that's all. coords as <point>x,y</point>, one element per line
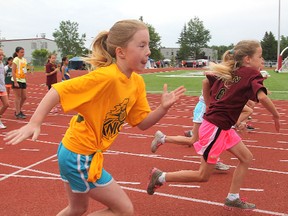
<point>283,45</point>
<point>155,42</point>
<point>68,40</point>
<point>194,36</point>
<point>39,57</point>
<point>269,46</point>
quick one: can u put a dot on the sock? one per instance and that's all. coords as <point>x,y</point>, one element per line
<point>162,177</point>
<point>232,196</point>
<point>163,139</point>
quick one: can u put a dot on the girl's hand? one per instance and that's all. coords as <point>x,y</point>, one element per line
<point>16,136</point>
<point>168,99</point>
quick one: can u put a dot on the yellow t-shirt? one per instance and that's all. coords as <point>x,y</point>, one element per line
<point>104,99</point>
<point>21,69</point>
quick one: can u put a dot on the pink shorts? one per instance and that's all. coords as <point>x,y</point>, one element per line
<point>213,141</point>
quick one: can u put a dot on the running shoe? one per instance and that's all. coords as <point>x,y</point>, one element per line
<point>188,133</point>
<point>156,142</point>
<point>2,126</point>
<point>154,181</point>
<point>221,166</point>
<point>238,203</point>
<point>249,127</point>
<point>23,115</point>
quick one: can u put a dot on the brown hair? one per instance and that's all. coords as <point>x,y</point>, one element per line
<point>233,59</point>
<point>105,44</point>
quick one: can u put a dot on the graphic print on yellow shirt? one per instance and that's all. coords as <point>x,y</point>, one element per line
<point>21,69</point>
<point>114,120</point>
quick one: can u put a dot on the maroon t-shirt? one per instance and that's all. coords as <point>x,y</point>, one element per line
<point>51,79</point>
<point>227,102</point>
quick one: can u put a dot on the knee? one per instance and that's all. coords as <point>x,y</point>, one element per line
<point>80,210</point>
<point>248,158</point>
<point>203,177</point>
<point>128,210</point>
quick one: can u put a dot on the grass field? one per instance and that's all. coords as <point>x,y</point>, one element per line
<point>277,83</point>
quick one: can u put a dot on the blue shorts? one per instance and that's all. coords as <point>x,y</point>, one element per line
<point>198,112</point>
<point>74,170</point>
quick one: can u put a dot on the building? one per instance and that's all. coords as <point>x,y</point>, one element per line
<point>171,53</point>
<point>29,45</point>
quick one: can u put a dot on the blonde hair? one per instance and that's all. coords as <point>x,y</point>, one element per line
<point>233,59</point>
<point>105,44</point>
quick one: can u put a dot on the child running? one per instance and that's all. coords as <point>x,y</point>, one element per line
<point>3,92</point>
<point>105,99</point>
<point>231,84</point>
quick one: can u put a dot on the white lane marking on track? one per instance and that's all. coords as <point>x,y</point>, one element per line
<point>132,183</point>
<point>198,200</point>
<point>283,160</point>
<point>25,168</point>
<point>251,189</point>
<point>184,186</point>
<point>34,177</point>
<point>32,150</point>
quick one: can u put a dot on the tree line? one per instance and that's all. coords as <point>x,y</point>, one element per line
<point>193,37</point>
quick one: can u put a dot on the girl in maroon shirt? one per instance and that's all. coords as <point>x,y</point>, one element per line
<point>226,90</point>
<point>51,71</point>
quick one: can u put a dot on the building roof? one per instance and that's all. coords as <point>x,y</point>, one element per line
<point>24,39</point>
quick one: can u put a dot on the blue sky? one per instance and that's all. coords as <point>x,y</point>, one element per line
<point>227,20</point>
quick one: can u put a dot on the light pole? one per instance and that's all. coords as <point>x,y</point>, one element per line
<point>279,58</point>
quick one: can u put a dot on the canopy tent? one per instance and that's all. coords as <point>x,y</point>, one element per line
<point>76,63</point>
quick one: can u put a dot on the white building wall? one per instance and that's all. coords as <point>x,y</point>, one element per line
<point>29,46</point>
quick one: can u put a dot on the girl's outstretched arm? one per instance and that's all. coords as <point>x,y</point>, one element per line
<point>32,128</point>
<point>167,100</point>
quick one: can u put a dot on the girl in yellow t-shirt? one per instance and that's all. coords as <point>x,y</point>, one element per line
<point>19,70</point>
<point>113,93</point>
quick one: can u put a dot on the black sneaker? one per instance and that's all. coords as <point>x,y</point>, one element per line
<point>23,115</point>
<point>20,116</point>
<point>249,127</point>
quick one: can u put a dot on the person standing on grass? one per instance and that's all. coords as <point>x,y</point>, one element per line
<point>229,86</point>
<point>19,70</point>
<point>105,99</point>
<point>8,75</point>
<point>3,92</point>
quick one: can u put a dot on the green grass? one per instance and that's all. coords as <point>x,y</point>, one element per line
<point>277,83</point>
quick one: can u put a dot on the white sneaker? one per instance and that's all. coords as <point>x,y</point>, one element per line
<point>2,126</point>
<point>221,166</point>
<point>156,143</point>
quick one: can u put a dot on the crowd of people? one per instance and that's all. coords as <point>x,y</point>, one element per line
<point>13,78</point>
<point>118,55</point>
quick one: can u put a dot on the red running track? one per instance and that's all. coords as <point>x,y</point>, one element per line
<point>30,183</point>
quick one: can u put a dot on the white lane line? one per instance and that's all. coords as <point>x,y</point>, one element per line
<point>283,160</point>
<point>32,150</point>
<point>28,167</point>
<point>251,189</point>
<point>190,199</point>
<point>132,183</point>
<point>184,186</point>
